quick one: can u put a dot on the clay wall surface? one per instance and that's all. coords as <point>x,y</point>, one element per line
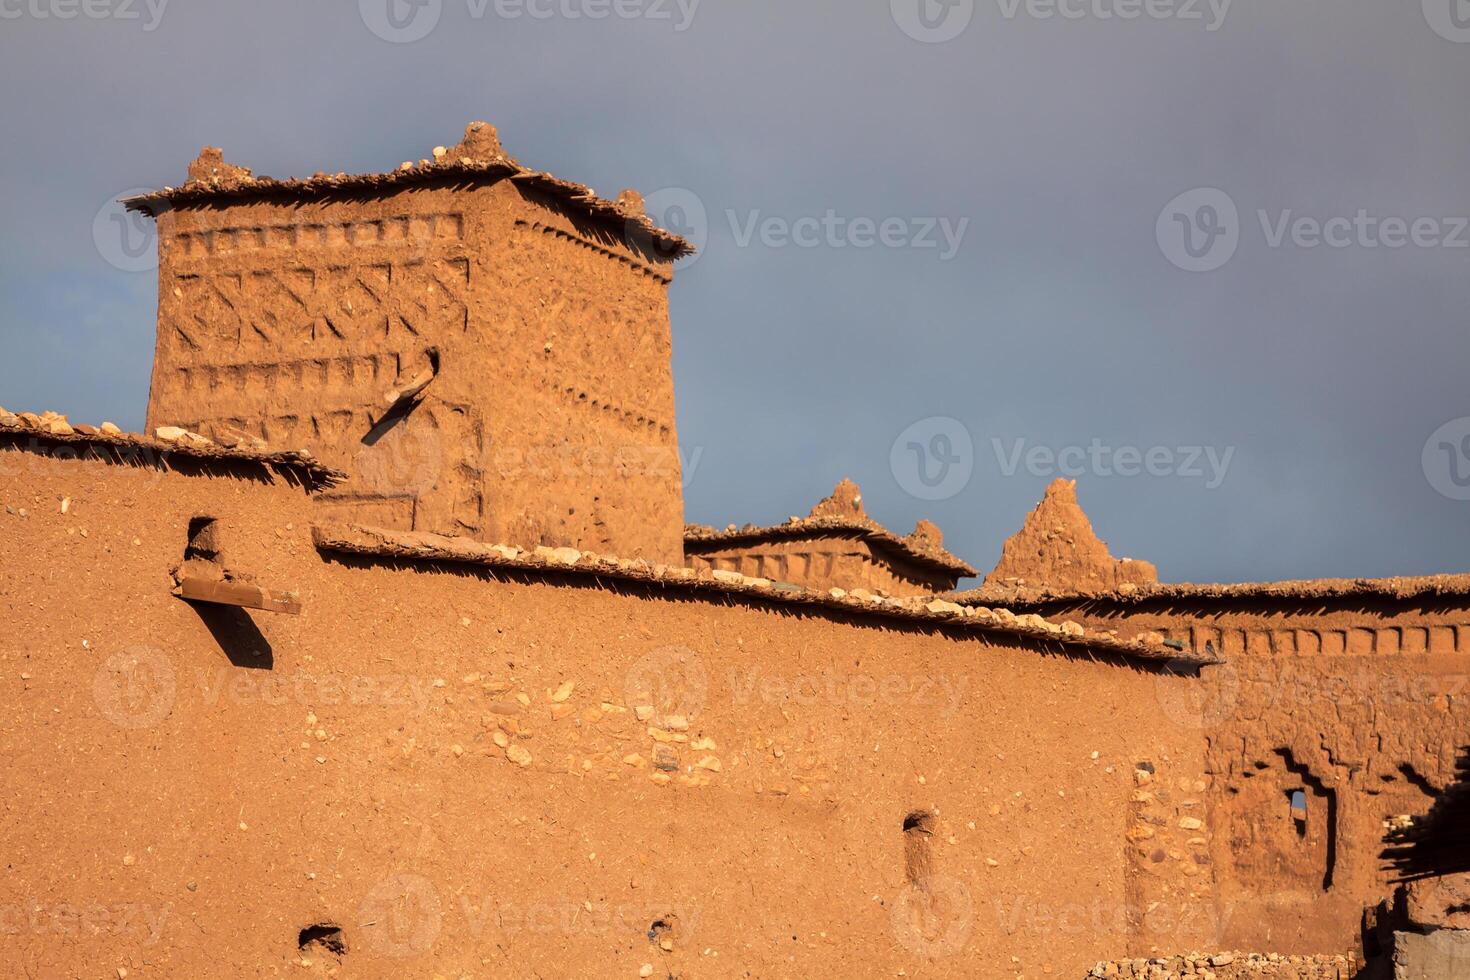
<point>551,418</point>
<point>490,774</point>
<point>823,563</point>
<point>1360,704</point>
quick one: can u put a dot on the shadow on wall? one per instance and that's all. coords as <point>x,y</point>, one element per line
<point>1439,843</point>
<point>237,635</point>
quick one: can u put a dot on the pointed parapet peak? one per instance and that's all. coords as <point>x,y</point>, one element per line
<point>1060,489</point>
<point>926,536</point>
<point>846,500</point>
<point>481,144</point>
<point>210,168</point>
<point>1057,549</point>
<point>630,202</point>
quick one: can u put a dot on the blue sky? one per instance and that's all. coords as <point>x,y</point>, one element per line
<point>1060,146</point>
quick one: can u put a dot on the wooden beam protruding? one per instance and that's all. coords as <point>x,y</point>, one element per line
<point>239,594</point>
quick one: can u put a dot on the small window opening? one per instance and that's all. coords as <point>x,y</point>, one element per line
<point>1298,798</point>
<point>203,540</point>
<point>919,821</point>
<point>326,937</point>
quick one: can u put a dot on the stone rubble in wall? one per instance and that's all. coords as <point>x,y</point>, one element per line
<point>360,539</point>
<point>1228,966</point>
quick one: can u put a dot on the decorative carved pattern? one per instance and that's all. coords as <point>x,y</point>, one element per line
<point>351,375</point>
<point>1387,641</point>
<point>293,237</point>
<point>306,306</point>
<point>643,267</point>
<point>629,417</point>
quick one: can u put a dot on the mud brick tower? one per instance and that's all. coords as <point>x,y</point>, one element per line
<point>485,349</point>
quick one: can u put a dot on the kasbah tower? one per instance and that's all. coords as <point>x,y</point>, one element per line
<point>488,354</point>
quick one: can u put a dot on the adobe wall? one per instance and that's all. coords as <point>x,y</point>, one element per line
<point>450,766</point>
<point>822,563</point>
<point>291,318</point>
<point>1362,704</point>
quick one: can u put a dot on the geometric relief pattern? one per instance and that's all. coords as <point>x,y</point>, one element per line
<point>1360,641</point>
<point>417,229</point>
<point>632,418</point>
<point>224,384</point>
<point>561,235</point>
<point>304,306</point>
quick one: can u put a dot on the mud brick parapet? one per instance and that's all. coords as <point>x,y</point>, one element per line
<point>836,546</point>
